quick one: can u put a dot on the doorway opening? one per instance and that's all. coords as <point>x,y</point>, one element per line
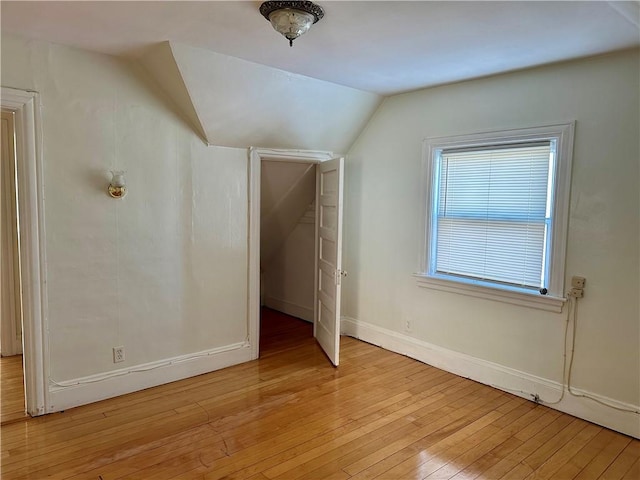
<point>295,226</point>
<point>287,242</point>
<point>12,397</point>
<point>279,331</point>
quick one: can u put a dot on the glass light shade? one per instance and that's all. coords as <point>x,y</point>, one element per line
<point>117,178</point>
<point>291,23</point>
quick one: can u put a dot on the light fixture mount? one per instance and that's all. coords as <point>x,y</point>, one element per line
<point>291,18</point>
<point>117,187</point>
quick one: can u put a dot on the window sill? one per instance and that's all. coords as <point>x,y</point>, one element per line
<point>541,302</point>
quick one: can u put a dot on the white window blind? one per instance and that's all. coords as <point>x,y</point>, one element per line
<point>493,213</point>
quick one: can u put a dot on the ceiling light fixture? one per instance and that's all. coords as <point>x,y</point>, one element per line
<point>291,19</point>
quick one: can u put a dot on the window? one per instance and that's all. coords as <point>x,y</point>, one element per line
<point>496,219</point>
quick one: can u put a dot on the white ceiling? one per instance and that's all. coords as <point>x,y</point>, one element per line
<point>237,103</point>
<point>381,47</point>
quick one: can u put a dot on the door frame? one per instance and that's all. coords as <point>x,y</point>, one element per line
<point>256,155</point>
<point>30,187</point>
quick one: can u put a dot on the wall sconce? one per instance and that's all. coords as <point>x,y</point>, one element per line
<point>117,187</point>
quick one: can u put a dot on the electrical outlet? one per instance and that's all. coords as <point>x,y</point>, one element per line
<point>577,282</point>
<point>118,354</point>
<point>576,293</point>
<point>407,325</point>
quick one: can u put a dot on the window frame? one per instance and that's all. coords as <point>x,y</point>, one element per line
<point>562,135</point>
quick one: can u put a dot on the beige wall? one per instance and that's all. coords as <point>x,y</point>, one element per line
<point>289,276</point>
<point>382,226</point>
<point>162,271</point>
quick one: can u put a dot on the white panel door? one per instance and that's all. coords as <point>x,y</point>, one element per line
<point>329,256</point>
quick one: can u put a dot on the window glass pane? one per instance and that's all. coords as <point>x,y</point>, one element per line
<point>489,250</point>
<point>492,207</point>
<point>507,182</point>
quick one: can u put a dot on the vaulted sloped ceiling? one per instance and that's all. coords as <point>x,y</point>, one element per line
<point>159,62</point>
<point>286,191</point>
<point>236,103</point>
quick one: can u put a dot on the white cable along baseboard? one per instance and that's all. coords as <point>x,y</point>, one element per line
<point>504,378</point>
<point>81,391</point>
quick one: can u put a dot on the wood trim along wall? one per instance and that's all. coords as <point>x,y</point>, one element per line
<point>299,311</point>
<point>504,378</point>
<point>81,391</point>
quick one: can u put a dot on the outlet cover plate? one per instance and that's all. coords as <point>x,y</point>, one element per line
<point>118,354</point>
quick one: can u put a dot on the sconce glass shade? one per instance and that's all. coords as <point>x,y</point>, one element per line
<point>291,18</point>
<point>117,187</point>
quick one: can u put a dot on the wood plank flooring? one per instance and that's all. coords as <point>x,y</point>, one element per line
<point>290,415</point>
<point>11,389</point>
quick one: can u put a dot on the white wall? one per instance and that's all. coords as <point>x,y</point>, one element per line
<point>241,103</point>
<point>289,275</point>
<point>163,271</point>
<point>382,226</point>
<point>286,190</point>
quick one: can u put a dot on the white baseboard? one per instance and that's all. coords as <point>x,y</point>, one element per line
<point>81,391</point>
<point>504,378</point>
<point>293,309</point>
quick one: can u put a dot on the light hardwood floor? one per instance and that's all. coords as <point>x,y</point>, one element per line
<point>11,389</point>
<point>290,415</point>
